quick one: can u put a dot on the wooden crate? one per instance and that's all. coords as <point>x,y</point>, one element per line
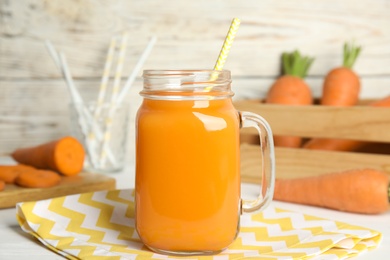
<point>371,124</point>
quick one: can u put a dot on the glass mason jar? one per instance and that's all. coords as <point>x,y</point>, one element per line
<point>187,191</point>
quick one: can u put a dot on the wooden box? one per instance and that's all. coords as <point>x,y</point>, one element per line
<point>371,124</point>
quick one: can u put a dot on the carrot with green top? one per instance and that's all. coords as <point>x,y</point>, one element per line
<point>342,85</point>
<point>291,89</point>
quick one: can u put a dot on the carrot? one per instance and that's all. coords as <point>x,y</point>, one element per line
<point>342,85</point>
<point>38,179</point>
<point>65,155</point>
<point>9,173</point>
<point>341,88</point>
<point>291,89</point>
<point>359,191</point>
<point>342,144</point>
<point>2,185</point>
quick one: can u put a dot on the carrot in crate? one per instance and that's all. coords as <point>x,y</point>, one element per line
<point>65,155</point>
<point>342,85</point>
<point>358,191</point>
<point>342,144</point>
<point>291,89</point>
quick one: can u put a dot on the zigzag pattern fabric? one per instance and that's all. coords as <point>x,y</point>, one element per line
<point>100,225</point>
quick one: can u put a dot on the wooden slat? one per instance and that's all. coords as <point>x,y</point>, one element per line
<point>294,163</point>
<point>358,122</point>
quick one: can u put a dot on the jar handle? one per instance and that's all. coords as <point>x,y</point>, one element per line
<point>249,119</point>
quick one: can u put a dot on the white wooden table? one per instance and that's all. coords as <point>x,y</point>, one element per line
<point>15,244</point>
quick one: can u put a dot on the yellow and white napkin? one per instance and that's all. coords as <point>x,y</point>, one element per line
<point>100,225</point>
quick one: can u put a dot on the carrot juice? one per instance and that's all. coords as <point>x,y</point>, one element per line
<point>187,190</point>
<point>188,183</point>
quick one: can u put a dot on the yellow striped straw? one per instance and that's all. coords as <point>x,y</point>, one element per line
<point>106,75</point>
<point>119,68</point>
<point>226,47</point>
<point>101,97</point>
<point>227,44</point>
<point>115,92</point>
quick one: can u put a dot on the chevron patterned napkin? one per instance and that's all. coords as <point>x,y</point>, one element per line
<point>100,225</point>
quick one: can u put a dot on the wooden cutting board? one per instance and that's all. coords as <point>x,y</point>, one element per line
<point>81,183</point>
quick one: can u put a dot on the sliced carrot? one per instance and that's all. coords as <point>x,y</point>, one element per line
<point>357,190</point>
<point>8,173</point>
<point>38,179</point>
<point>65,155</point>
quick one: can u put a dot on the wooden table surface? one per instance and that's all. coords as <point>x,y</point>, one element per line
<point>15,244</point>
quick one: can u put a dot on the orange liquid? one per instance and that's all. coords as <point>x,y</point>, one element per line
<point>187,175</point>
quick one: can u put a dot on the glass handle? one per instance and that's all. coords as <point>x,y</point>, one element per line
<point>249,119</point>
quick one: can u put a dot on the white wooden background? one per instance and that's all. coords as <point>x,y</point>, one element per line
<point>33,96</point>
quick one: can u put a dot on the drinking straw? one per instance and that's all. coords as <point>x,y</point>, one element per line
<point>122,95</point>
<point>61,63</point>
<point>105,76</point>
<point>115,91</point>
<point>85,113</point>
<point>227,44</point>
<point>77,99</point>
<point>136,70</point>
<point>225,48</point>
<point>75,95</point>
<point>102,90</point>
<point>119,68</point>
<point>53,53</point>
<point>72,87</point>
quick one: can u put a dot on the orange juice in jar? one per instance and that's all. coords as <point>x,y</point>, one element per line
<point>188,162</point>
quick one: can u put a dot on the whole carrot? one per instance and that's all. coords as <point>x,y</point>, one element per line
<point>291,89</point>
<point>364,191</point>
<point>65,155</point>
<point>342,85</point>
<point>345,145</point>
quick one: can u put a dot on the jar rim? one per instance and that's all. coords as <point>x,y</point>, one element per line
<point>186,84</point>
<point>186,72</point>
